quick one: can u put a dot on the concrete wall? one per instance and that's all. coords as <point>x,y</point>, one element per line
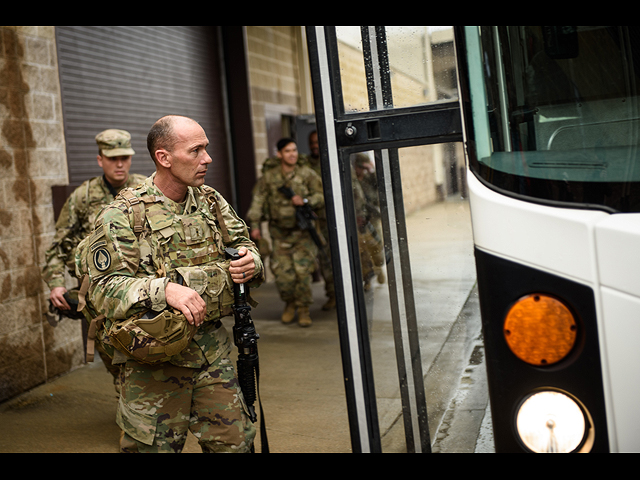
<point>274,70</point>
<point>32,159</point>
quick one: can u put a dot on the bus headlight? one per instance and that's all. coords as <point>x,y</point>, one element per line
<point>552,422</point>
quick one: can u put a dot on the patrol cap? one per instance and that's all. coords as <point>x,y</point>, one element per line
<point>115,143</point>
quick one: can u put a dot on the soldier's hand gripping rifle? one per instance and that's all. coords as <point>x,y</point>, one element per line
<point>246,339</point>
<point>306,218</point>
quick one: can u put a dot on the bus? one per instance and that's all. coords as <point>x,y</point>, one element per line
<point>552,133</point>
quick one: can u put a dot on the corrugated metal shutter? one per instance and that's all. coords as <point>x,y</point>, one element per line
<point>128,77</point>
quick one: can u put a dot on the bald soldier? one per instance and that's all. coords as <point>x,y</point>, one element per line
<point>81,209</point>
<point>157,258</point>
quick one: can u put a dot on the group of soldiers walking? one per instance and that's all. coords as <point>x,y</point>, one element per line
<point>149,255</point>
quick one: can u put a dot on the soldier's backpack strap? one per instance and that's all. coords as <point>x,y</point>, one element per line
<point>94,326</point>
<point>137,205</point>
<point>133,202</point>
<point>214,207</point>
<point>82,294</point>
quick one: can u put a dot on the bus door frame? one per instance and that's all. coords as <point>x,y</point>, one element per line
<point>383,129</point>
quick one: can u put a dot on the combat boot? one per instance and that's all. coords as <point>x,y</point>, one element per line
<point>304,319</point>
<point>289,314</point>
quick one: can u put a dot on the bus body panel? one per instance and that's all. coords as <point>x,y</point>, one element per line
<point>618,241</point>
<point>524,232</point>
<point>621,331</point>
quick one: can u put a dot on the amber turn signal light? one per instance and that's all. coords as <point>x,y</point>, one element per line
<point>540,330</point>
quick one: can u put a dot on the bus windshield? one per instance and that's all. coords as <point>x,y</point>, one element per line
<point>561,113</point>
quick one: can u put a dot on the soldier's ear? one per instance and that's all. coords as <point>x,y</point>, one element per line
<point>163,158</point>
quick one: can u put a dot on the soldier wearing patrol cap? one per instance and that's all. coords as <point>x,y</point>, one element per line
<point>80,211</point>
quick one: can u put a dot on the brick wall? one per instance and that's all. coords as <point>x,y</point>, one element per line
<point>274,75</point>
<point>32,159</point>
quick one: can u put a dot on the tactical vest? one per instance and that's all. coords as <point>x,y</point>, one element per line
<point>189,251</point>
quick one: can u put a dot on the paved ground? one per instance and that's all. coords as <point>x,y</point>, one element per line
<point>302,379</point>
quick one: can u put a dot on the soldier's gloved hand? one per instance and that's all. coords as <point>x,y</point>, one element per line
<point>243,270</point>
<point>192,306</point>
<point>58,300</point>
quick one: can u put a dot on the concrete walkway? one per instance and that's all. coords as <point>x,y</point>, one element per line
<point>302,386</point>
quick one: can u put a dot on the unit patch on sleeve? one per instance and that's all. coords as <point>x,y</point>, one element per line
<point>102,259</point>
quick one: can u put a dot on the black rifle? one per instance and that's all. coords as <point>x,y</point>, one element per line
<point>246,339</point>
<point>54,315</point>
<point>305,217</point>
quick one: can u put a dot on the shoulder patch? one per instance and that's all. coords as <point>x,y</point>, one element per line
<point>102,259</point>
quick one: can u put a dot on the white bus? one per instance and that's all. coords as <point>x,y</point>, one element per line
<point>552,130</point>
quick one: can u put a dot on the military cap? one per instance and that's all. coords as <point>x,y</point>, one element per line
<point>115,143</point>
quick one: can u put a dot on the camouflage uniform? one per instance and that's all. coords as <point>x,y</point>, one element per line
<point>326,268</point>
<point>325,260</point>
<point>76,221</point>
<point>294,252</point>
<point>78,216</point>
<point>372,254</point>
<point>130,267</point>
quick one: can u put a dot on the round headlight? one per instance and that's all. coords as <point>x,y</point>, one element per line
<point>552,422</point>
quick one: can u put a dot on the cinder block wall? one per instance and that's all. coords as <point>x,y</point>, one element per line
<point>274,75</point>
<point>32,159</point>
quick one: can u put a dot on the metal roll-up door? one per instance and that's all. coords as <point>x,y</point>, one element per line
<point>128,77</point>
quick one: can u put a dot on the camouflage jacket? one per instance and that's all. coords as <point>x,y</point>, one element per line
<point>133,254</point>
<point>269,204</point>
<point>76,221</point>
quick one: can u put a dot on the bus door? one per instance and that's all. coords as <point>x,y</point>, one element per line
<point>393,170</point>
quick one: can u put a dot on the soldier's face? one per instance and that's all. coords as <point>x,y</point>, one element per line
<point>289,154</point>
<point>190,160</point>
<point>116,169</point>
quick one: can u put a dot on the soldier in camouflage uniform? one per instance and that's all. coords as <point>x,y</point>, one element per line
<point>372,254</point>
<point>80,211</point>
<point>324,258</point>
<point>159,246</point>
<point>294,252</point>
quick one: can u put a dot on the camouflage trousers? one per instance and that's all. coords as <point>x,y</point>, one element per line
<point>293,262</point>
<point>160,404</point>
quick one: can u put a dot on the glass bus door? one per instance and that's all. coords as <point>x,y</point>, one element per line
<point>401,244</point>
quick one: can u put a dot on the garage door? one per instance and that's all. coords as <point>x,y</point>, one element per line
<point>128,77</point>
